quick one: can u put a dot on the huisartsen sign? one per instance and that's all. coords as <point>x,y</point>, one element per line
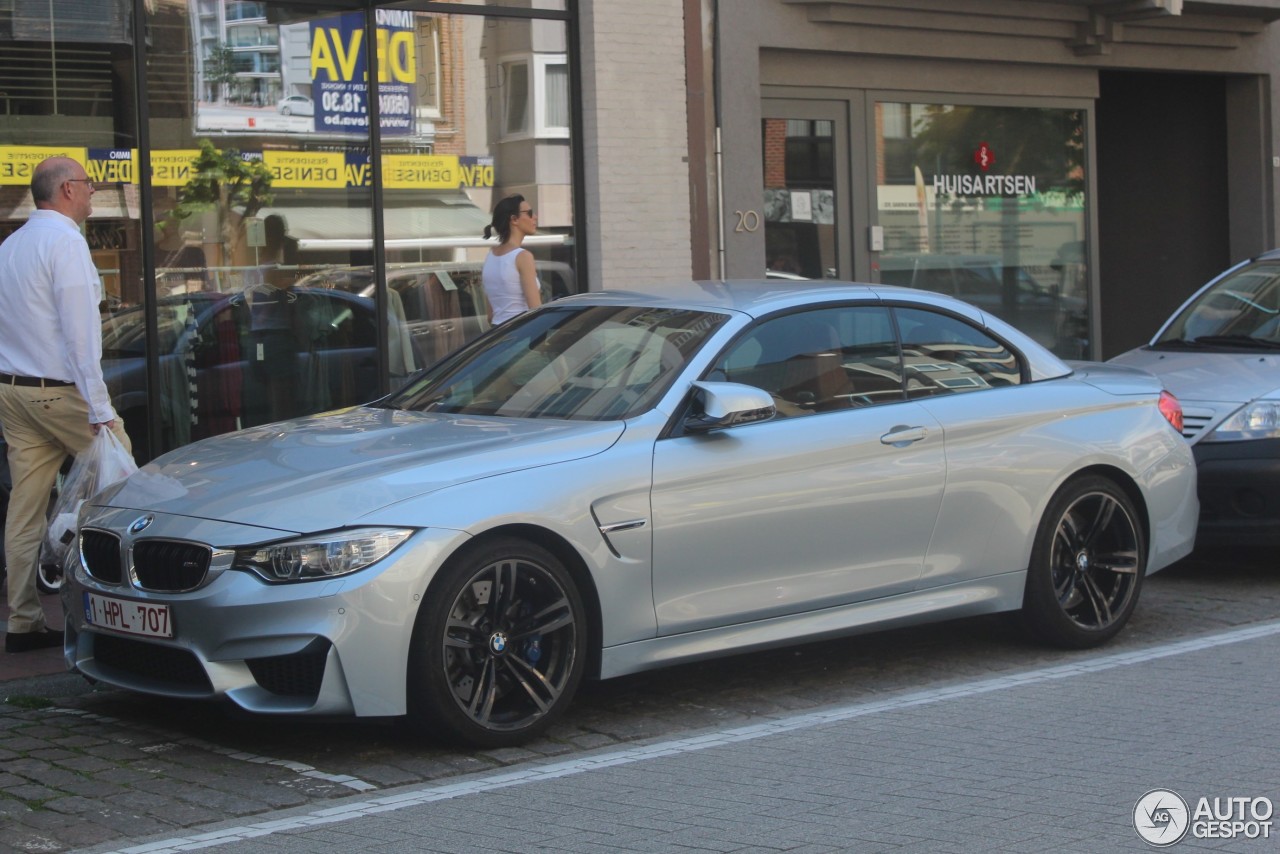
<point>985,184</point>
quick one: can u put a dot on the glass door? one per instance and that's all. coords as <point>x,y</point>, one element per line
<point>806,208</point>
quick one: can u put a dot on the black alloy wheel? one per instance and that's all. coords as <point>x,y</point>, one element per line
<point>1087,565</point>
<point>500,645</point>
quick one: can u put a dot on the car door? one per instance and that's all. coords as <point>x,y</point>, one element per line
<point>831,502</point>
<point>973,384</point>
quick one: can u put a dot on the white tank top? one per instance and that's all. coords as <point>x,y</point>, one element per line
<point>501,281</point>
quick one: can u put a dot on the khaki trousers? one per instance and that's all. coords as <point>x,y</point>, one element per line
<point>41,427</point>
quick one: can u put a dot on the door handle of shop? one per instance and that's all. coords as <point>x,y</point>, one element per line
<point>902,435</point>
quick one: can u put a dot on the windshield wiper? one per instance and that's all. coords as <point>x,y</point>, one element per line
<point>1179,344</point>
<point>1237,341</point>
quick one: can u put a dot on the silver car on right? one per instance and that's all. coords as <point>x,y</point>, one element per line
<point>1220,355</point>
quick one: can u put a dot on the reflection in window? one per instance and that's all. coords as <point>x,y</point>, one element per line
<point>261,179</point>
<point>588,364</point>
<point>515,97</point>
<point>554,105</point>
<point>942,355</point>
<point>429,65</point>
<point>819,361</point>
<point>1242,309</point>
<point>988,204</point>
<point>799,198</point>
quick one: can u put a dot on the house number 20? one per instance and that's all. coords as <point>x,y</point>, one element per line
<point>747,220</point>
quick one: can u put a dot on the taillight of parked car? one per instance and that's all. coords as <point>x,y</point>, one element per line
<point>1171,410</point>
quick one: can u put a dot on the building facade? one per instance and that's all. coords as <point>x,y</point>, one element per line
<point>275,237</point>
<point>1078,167</point>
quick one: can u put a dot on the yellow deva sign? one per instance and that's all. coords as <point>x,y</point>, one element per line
<point>17,162</point>
<point>112,165</point>
<point>421,172</point>
<point>330,170</point>
<point>316,169</point>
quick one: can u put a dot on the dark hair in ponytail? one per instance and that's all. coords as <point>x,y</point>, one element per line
<point>503,211</point>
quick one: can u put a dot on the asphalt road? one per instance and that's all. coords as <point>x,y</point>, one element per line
<point>892,727</point>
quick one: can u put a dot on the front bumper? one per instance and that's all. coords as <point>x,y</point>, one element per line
<point>1239,488</point>
<point>329,647</point>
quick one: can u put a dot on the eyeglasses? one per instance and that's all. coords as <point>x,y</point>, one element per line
<point>78,181</point>
<point>529,212</point>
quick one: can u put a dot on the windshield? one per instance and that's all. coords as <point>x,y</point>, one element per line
<point>1242,310</point>
<point>590,363</point>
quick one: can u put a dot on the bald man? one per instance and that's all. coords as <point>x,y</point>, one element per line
<point>52,396</point>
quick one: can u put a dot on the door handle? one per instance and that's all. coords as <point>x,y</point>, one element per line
<point>902,435</point>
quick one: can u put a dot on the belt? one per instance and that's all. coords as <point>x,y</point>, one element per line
<point>34,382</point>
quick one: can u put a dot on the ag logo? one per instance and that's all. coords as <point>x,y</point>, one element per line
<point>1161,817</point>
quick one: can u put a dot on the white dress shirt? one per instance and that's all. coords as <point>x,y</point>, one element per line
<point>49,321</point>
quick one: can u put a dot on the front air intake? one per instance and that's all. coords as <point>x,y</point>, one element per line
<point>170,566</point>
<point>100,553</point>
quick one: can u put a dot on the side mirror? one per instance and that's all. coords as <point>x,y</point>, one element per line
<point>718,405</point>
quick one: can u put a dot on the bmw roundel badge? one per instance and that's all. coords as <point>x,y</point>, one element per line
<point>141,524</point>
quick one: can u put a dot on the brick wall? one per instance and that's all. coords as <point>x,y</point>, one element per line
<point>775,153</point>
<point>636,142</point>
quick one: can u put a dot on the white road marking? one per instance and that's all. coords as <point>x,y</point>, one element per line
<point>296,767</point>
<point>584,764</point>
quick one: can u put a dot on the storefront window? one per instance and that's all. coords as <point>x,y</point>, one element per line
<point>988,204</point>
<point>268,295</point>
<point>66,88</point>
<point>490,119</point>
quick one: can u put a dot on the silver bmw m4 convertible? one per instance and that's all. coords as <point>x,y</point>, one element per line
<point>620,481</point>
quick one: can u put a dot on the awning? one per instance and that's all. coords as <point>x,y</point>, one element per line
<point>440,222</point>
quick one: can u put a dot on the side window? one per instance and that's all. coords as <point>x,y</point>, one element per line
<point>942,355</point>
<point>818,361</point>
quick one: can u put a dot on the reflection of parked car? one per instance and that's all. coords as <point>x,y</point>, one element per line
<point>1220,354</point>
<point>233,360</point>
<point>296,105</point>
<point>620,481</point>
<point>442,305</point>
<point>1058,322</point>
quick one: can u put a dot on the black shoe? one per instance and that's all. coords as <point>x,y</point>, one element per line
<point>46,638</point>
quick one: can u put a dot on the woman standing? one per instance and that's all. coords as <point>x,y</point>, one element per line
<point>509,277</point>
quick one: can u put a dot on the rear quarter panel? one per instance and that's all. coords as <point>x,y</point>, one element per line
<point>1009,450</point>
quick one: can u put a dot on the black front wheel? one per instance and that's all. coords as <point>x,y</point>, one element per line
<point>499,647</point>
<point>1086,566</point>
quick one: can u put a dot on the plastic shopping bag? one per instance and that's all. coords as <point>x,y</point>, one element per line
<point>102,464</point>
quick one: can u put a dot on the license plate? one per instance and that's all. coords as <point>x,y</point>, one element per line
<point>123,615</point>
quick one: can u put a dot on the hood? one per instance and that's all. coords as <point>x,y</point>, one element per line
<point>327,471</point>
<point>1196,376</point>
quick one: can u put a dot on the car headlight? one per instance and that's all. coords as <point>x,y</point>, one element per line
<point>1258,420</point>
<point>321,556</point>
